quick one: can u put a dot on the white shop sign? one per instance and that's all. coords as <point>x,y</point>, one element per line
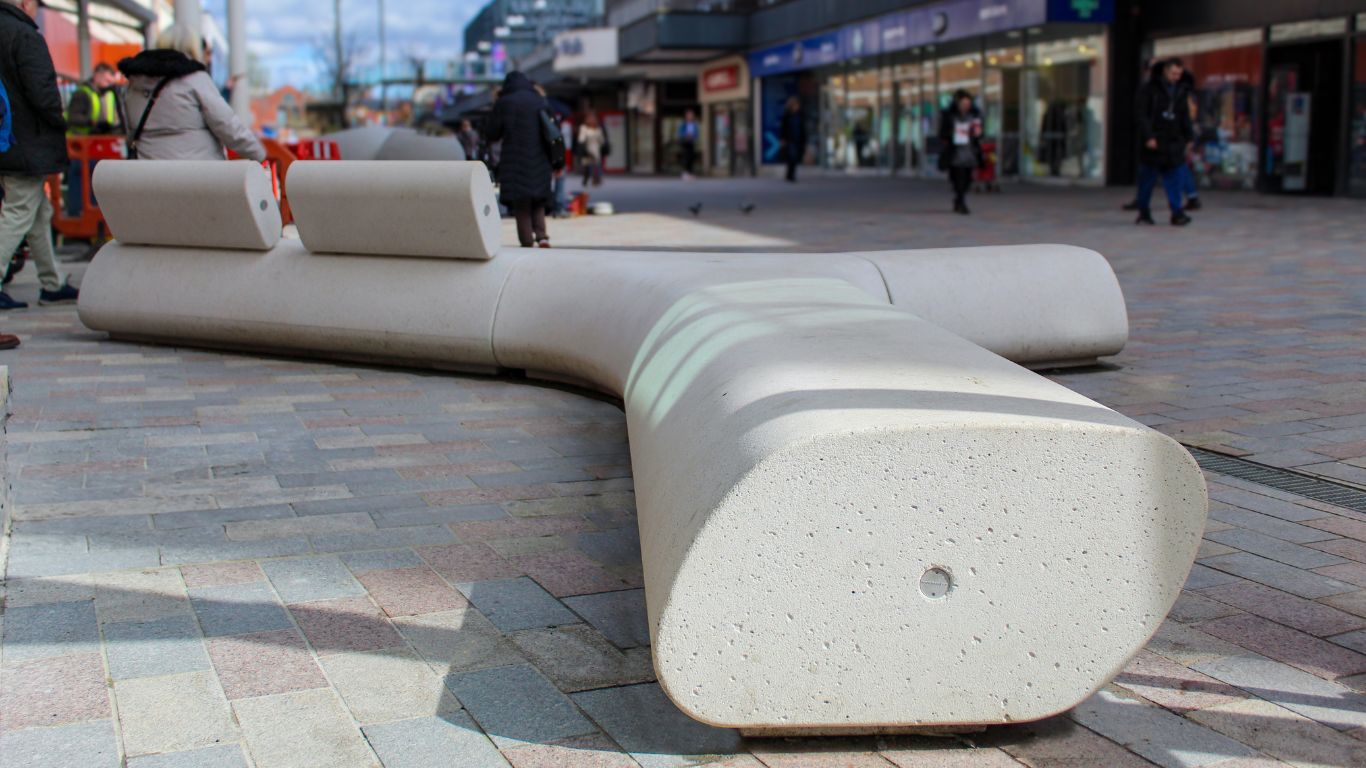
<point>580,49</point>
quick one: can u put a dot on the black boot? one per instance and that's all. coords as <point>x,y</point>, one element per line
<point>1193,204</point>
<point>1179,219</point>
<point>1132,205</point>
<point>1145,217</point>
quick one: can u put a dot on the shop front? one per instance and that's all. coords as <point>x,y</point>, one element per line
<point>872,92</point>
<point>723,90</point>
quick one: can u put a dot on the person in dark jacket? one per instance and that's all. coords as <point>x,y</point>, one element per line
<point>39,149</point>
<point>1165,134</point>
<point>792,135</point>
<point>524,168</point>
<point>960,146</point>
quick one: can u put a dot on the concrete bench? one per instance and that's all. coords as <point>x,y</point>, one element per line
<point>855,512</point>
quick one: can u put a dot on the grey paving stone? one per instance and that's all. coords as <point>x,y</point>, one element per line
<point>516,704</point>
<point>434,742</point>
<point>1167,739</point>
<point>87,745</point>
<point>1267,505</point>
<point>513,604</point>
<point>1271,526</point>
<point>646,724</point>
<point>1354,640</point>
<point>1202,577</point>
<point>183,554</point>
<point>50,629</point>
<point>83,525</point>
<point>237,609</point>
<point>25,565</point>
<point>461,640</point>
<point>379,560</point>
<point>164,646</point>
<point>578,658</point>
<point>388,538</point>
<point>369,504</point>
<point>221,756</point>
<point>533,477</point>
<point>1315,698</point>
<point>305,579</point>
<point>618,546</point>
<point>1275,549</point>
<point>1278,575</point>
<point>619,616</point>
<point>168,520</point>
<point>438,515</point>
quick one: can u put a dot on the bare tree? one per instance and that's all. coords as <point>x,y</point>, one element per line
<point>337,64</point>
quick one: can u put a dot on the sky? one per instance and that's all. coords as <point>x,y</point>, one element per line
<point>285,34</point>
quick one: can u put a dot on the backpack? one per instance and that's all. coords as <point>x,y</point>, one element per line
<point>6,121</point>
<point>553,140</point>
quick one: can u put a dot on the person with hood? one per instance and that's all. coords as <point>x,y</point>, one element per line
<point>469,139</point>
<point>1190,191</point>
<point>1165,133</point>
<point>174,109</point>
<point>960,146</point>
<point>524,168</point>
<point>38,150</point>
<point>792,136</point>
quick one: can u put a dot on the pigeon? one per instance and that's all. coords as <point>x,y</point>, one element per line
<point>746,208</point>
<point>696,209</point>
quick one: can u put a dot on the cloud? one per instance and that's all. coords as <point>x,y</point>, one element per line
<point>285,34</point>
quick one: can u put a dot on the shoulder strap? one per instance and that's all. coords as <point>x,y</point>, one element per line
<point>142,123</point>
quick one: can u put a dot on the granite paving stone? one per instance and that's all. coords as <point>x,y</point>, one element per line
<point>387,538</point>
<point>467,562</point>
<point>1275,549</point>
<point>567,573</point>
<point>1305,615</point>
<point>1283,734</point>
<point>1297,649</point>
<point>381,560</point>
<point>221,756</point>
<point>238,609</point>
<point>461,640</point>
<point>1278,575</point>
<point>1156,734</point>
<point>409,591</point>
<point>88,745</point>
<point>194,702</point>
<point>578,658</point>
<point>938,756</point>
<point>619,616</point>
<point>516,704</point>
<point>221,574</point>
<point>303,729</point>
<point>437,515</point>
<point>648,726</point>
<point>1173,686</point>
<point>49,629</point>
<point>264,663</point>
<point>1202,577</point>
<point>52,691</point>
<point>381,686</point>
<point>513,604</point>
<point>348,624</point>
<point>305,579</point>
<point>434,742</point>
<point>140,595</point>
<point>165,646</point>
<point>1301,692</point>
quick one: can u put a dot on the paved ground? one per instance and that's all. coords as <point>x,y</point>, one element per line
<point>224,560</point>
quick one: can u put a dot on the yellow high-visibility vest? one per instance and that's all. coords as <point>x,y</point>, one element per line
<point>100,104</point>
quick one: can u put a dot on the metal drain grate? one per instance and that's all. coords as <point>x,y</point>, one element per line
<point>1286,480</point>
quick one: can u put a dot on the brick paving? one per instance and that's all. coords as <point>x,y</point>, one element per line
<point>230,560</point>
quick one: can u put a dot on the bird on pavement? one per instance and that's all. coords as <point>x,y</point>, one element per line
<point>747,208</point>
<point>696,209</point>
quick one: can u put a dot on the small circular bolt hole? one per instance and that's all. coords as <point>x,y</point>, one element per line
<point>936,583</point>
<point>487,209</point>
<point>264,205</point>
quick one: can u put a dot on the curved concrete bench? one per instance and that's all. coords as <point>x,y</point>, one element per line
<point>851,518</point>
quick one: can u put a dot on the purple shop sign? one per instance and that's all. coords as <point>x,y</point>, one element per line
<point>862,39</point>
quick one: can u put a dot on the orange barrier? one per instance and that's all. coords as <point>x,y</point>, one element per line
<point>89,223</point>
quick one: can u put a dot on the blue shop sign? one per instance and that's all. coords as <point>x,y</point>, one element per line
<point>1089,11</point>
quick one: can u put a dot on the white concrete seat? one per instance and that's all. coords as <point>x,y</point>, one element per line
<point>851,518</point>
<point>205,204</point>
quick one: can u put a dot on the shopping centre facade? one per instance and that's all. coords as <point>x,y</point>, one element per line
<point>1280,84</point>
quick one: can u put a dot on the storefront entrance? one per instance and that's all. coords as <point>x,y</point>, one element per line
<point>1304,114</point>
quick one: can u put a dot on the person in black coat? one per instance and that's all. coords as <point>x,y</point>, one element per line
<point>792,135</point>
<point>39,149</point>
<point>1165,133</point>
<point>960,146</point>
<point>524,172</point>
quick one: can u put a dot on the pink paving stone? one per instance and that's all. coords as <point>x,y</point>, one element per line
<point>353,421</point>
<point>264,663</point>
<point>488,495</point>
<point>455,446</point>
<point>468,562</point>
<point>517,423</point>
<point>825,753</point>
<point>1191,607</point>
<point>1341,450</point>
<point>221,574</point>
<point>568,573</point>
<point>1315,656</point>
<point>1352,529</point>
<point>488,467</point>
<point>1173,686</point>
<point>411,591</point>
<point>1352,573</point>
<point>1348,548</point>
<point>1305,615</point>
<point>582,752</point>
<point>349,624</point>
<point>63,689</point>
<point>518,527</point>
<point>89,467</point>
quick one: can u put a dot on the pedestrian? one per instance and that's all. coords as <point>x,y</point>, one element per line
<point>95,109</point>
<point>38,150</point>
<point>688,134</point>
<point>960,146</point>
<point>1166,134</point>
<point>174,110</point>
<point>1189,189</point>
<point>560,205</point>
<point>792,136</point>
<point>469,139</point>
<point>592,145</point>
<point>524,171</point>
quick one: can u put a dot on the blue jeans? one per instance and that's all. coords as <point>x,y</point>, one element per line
<point>1171,183</point>
<point>1188,186</point>
<point>75,199</point>
<point>560,203</point>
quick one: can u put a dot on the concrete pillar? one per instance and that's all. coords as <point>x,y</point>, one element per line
<point>237,59</point>
<point>83,38</point>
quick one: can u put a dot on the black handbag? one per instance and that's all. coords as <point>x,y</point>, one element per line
<point>553,139</point>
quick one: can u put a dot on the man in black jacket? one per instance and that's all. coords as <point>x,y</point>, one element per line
<point>1166,132</point>
<point>39,149</point>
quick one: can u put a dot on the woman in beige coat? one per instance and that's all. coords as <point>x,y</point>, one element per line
<point>190,120</point>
